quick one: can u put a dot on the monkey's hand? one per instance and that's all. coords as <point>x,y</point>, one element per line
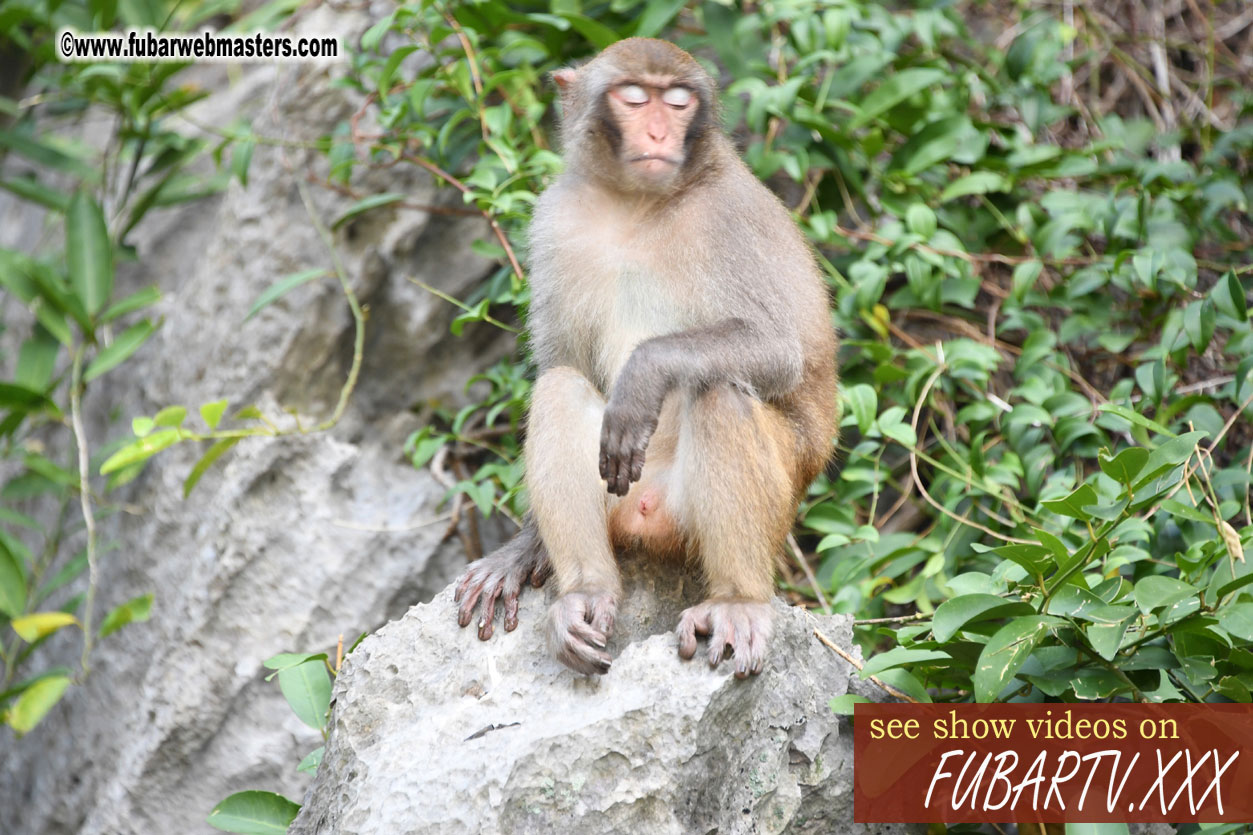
<point>741,626</point>
<point>501,574</point>
<point>579,626</point>
<point>630,420</point>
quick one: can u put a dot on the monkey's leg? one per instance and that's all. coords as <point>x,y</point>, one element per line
<point>502,574</point>
<point>735,460</point>
<point>570,506</point>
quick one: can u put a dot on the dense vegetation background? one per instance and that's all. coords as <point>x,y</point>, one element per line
<point>1033,216</point>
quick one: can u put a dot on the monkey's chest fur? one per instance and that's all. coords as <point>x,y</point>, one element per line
<point>627,288</point>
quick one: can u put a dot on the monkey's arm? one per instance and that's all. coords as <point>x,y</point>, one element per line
<point>730,352</point>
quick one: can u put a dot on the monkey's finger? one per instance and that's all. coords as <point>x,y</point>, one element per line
<point>486,623</point>
<point>637,463</point>
<point>693,621</point>
<point>724,638</point>
<point>466,611</point>
<point>603,614</point>
<point>584,659</point>
<point>511,612</point>
<point>588,634</point>
<point>541,573</point>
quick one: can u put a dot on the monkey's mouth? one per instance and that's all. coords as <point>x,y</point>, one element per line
<point>656,158</point>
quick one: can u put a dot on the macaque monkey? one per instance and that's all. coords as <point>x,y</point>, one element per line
<point>687,386</point>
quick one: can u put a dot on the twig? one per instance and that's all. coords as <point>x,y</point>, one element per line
<point>795,548</point>
<point>356,526</point>
<point>84,495</point>
<point>883,685</point>
<point>899,619</point>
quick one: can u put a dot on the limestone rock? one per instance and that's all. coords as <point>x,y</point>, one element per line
<point>434,731</point>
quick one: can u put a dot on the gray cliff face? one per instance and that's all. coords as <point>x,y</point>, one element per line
<point>286,544</point>
<point>434,731</point>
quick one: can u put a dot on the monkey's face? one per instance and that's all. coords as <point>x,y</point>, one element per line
<point>647,120</point>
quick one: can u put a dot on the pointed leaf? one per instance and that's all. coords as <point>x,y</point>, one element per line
<point>33,627</point>
<point>1005,653</point>
<point>88,253</point>
<point>307,688</point>
<point>212,413</point>
<point>953,615</point>
<point>206,461</point>
<point>125,344</point>
<point>280,288</point>
<point>254,813</point>
<point>135,610</point>
<point>140,450</point>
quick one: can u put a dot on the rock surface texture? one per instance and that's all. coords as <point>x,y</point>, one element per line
<point>434,731</point>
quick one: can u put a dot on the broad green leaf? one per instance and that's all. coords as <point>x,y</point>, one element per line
<point>1168,456</point>
<point>1238,620</point>
<point>254,813</point>
<point>135,610</point>
<point>361,206</point>
<point>863,403</point>
<point>12,584</point>
<point>287,660</point>
<point>934,143</point>
<point>35,702</point>
<point>657,13</point>
<point>33,627</point>
<point>894,90</point>
<point>1005,653</point>
<point>125,344</point>
<point>171,417</point>
<point>312,760</point>
<point>307,688</point>
<point>212,454</point>
<point>977,182</point>
<point>1184,511</point>
<point>88,253</point>
<point>1155,591</point>
<point>1107,637</point>
<point>1124,466</point>
<point>23,399</point>
<point>141,426</point>
<point>906,682</point>
<point>901,656</point>
<point>1228,296</point>
<point>1074,504</point>
<point>140,449</point>
<point>212,413</point>
<point>952,615</point>
<point>1135,417</point>
<point>282,287</point>
<point>31,189</point>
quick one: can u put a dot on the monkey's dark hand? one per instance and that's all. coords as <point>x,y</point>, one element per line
<point>579,627</point>
<point>629,422</point>
<point>742,626</point>
<point>501,574</point>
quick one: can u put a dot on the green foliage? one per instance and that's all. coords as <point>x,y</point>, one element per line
<point>1044,481</point>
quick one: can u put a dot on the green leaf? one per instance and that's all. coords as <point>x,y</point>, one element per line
<point>977,182</point>
<point>894,90</point>
<point>140,449</point>
<point>899,657</point>
<point>31,189</point>
<point>1198,323</point>
<point>135,610</point>
<point>254,813</point>
<point>312,760</point>
<point>125,344</point>
<point>1124,466</point>
<point>1228,296</point>
<point>1135,417</point>
<point>934,143</point>
<point>141,426</point>
<point>35,702</point>
<point>952,615</point>
<point>170,416</point>
<point>843,705</point>
<point>920,220</point>
<point>31,628</point>
<point>1074,504</point>
<point>135,301</point>
<point>281,288</point>
<point>206,461</point>
<point>307,688</point>
<point>1155,591</point>
<point>1005,653</point>
<point>88,253</point>
<point>361,206</point>
<point>287,660</point>
<point>863,403</point>
<point>1238,620</point>
<point>1106,638</point>
<point>12,584</point>
<point>212,413</point>
<point>23,399</point>
<point>656,15</point>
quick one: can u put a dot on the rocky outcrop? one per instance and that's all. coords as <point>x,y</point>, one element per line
<point>434,731</point>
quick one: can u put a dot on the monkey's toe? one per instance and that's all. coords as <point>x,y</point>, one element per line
<point>579,626</point>
<point>737,629</point>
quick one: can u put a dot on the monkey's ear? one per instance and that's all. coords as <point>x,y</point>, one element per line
<point>563,78</point>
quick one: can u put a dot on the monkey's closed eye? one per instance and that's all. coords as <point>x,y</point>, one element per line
<point>677,96</point>
<point>633,94</point>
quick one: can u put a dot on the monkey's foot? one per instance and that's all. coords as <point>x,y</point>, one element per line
<point>579,626</point>
<point>499,576</point>
<point>741,626</point>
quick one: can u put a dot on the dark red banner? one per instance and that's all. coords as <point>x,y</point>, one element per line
<point>1053,763</point>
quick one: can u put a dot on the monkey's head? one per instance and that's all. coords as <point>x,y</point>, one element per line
<point>637,116</point>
